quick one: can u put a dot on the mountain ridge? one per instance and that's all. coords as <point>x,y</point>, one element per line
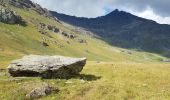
<point>126,30</point>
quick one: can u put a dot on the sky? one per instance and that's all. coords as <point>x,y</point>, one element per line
<point>157,10</point>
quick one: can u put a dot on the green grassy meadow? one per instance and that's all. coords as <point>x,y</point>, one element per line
<point>99,81</point>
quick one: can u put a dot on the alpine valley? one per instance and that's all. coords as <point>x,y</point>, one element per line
<point>128,57</point>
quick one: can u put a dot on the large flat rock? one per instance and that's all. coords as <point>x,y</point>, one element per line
<point>46,66</point>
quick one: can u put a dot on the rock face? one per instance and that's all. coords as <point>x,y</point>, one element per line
<point>9,17</point>
<point>29,5</point>
<point>46,66</point>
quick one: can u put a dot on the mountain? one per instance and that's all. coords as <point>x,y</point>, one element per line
<point>125,30</point>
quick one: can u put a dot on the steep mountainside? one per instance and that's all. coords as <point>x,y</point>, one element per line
<point>125,30</point>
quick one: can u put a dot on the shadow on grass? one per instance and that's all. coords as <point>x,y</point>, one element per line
<point>23,23</point>
<point>87,77</point>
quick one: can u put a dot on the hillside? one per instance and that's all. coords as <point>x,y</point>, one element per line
<point>125,30</point>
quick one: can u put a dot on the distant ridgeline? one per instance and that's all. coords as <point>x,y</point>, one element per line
<point>123,29</point>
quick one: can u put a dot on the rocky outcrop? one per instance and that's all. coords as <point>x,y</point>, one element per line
<point>46,66</point>
<point>29,5</point>
<point>3,3</point>
<point>82,41</point>
<point>53,28</point>
<point>44,44</point>
<point>41,91</point>
<point>9,17</point>
<point>43,26</point>
<point>68,35</point>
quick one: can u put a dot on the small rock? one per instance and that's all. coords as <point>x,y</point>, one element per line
<point>68,35</point>
<point>41,91</point>
<point>82,41</point>
<point>129,52</point>
<point>42,26</point>
<point>45,44</point>
<point>53,28</point>
<point>82,81</point>
<point>43,32</point>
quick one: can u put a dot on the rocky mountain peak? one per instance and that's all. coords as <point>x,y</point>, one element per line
<point>123,29</point>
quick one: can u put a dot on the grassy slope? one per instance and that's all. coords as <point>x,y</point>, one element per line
<point>126,78</point>
<point>19,40</point>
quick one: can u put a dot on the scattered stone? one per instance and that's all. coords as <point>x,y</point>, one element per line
<point>82,81</point>
<point>130,53</point>
<point>65,34</point>
<point>42,26</point>
<point>98,62</point>
<point>68,35</point>
<point>72,36</point>
<point>46,66</point>
<point>42,32</point>
<point>68,42</point>
<point>53,28</point>
<point>82,41</point>
<point>41,91</point>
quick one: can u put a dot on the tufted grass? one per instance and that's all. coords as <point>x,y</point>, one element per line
<point>100,81</point>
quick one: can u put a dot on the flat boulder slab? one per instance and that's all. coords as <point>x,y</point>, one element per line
<point>46,66</point>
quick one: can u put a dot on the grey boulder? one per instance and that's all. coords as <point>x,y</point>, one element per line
<point>9,17</point>
<point>46,66</point>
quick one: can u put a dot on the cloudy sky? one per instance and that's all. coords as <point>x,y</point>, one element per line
<point>158,10</point>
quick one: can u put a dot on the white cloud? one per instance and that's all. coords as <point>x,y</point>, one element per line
<point>149,14</point>
<point>158,9</point>
<point>81,8</point>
